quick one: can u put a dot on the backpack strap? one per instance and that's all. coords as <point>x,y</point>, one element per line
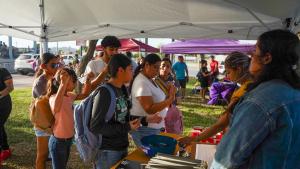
<point>112,106</point>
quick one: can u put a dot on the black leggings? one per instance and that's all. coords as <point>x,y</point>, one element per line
<point>5,110</point>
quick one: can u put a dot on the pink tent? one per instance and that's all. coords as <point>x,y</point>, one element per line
<point>133,46</point>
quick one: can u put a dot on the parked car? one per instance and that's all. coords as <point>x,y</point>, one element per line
<point>69,58</point>
<point>26,63</point>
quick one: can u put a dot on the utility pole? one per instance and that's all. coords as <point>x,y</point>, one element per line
<point>10,48</point>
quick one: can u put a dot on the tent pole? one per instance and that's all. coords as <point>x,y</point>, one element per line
<point>10,48</point>
<point>34,47</point>
<point>257,18</point>
<point>44,29</point>
<point>146,41</point>
<point>252,13</point>
<point>2,25</point>
<point>140,51</point>
<point>57,48</point>
<point>172,55</point>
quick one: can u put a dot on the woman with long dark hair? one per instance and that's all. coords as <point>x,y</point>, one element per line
<point>264,128</point>
<point>147,97</point>
<point>48,68</point>
<point>6,86</point>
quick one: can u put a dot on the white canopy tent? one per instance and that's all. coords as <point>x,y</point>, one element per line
<point>59,20</point>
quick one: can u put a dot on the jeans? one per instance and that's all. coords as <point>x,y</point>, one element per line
<point>108,158</point>
<point>5,110</point>
<point>142,132</point>
<point>60,151</point>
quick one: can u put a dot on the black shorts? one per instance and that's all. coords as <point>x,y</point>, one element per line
<point>182,83</point>
<point>204,83</point>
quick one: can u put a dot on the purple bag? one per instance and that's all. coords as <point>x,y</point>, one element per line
<point>174,120</point>
<point>220,93</point>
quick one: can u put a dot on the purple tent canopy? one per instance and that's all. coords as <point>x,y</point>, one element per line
<point>207,46</point>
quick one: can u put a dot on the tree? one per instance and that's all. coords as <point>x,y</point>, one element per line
<point>86,58</point>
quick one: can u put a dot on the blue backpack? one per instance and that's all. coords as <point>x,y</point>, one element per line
<point>88,143</point>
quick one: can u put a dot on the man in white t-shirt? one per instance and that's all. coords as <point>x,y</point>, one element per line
<point>110,46</point>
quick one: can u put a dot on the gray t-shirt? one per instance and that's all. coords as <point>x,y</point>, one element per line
<point>39,86</point>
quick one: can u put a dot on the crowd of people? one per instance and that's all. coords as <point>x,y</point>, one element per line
<point>261,120</point>
<point>206,77</point>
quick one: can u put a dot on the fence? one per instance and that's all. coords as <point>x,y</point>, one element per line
<point>8,64</point>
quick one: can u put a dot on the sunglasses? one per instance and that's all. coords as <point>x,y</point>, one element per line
<point>55,65</point>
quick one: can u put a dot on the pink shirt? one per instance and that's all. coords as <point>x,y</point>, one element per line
<point>64,120</point>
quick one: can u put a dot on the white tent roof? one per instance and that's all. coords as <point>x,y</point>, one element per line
<point>178,19</point>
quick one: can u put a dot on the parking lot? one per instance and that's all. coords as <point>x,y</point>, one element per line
<point>22,81</point>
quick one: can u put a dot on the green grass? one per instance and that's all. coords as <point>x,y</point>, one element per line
<point>196,113</point>
<point>19,126</point>
<point>22,139</point>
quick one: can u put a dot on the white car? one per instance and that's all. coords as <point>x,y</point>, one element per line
<point>69,59</point>
<point>222,67</point>
<point>26,63</point>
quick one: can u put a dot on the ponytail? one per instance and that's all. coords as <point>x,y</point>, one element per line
<point>138,69</point>
<point>38,73</point>
<point>52,86</point>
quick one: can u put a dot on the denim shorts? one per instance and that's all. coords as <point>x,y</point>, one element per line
<point>40,133</point>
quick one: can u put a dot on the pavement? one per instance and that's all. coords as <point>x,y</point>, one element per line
<point>22,81</point>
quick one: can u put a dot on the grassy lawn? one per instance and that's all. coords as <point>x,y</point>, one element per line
<point>22,139</point>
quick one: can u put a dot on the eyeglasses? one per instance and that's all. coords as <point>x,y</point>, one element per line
<point>55,65</point>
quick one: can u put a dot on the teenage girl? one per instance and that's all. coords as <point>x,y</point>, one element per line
<point>236,66</point>
<point>49,66</point>
<point>61,98</point>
